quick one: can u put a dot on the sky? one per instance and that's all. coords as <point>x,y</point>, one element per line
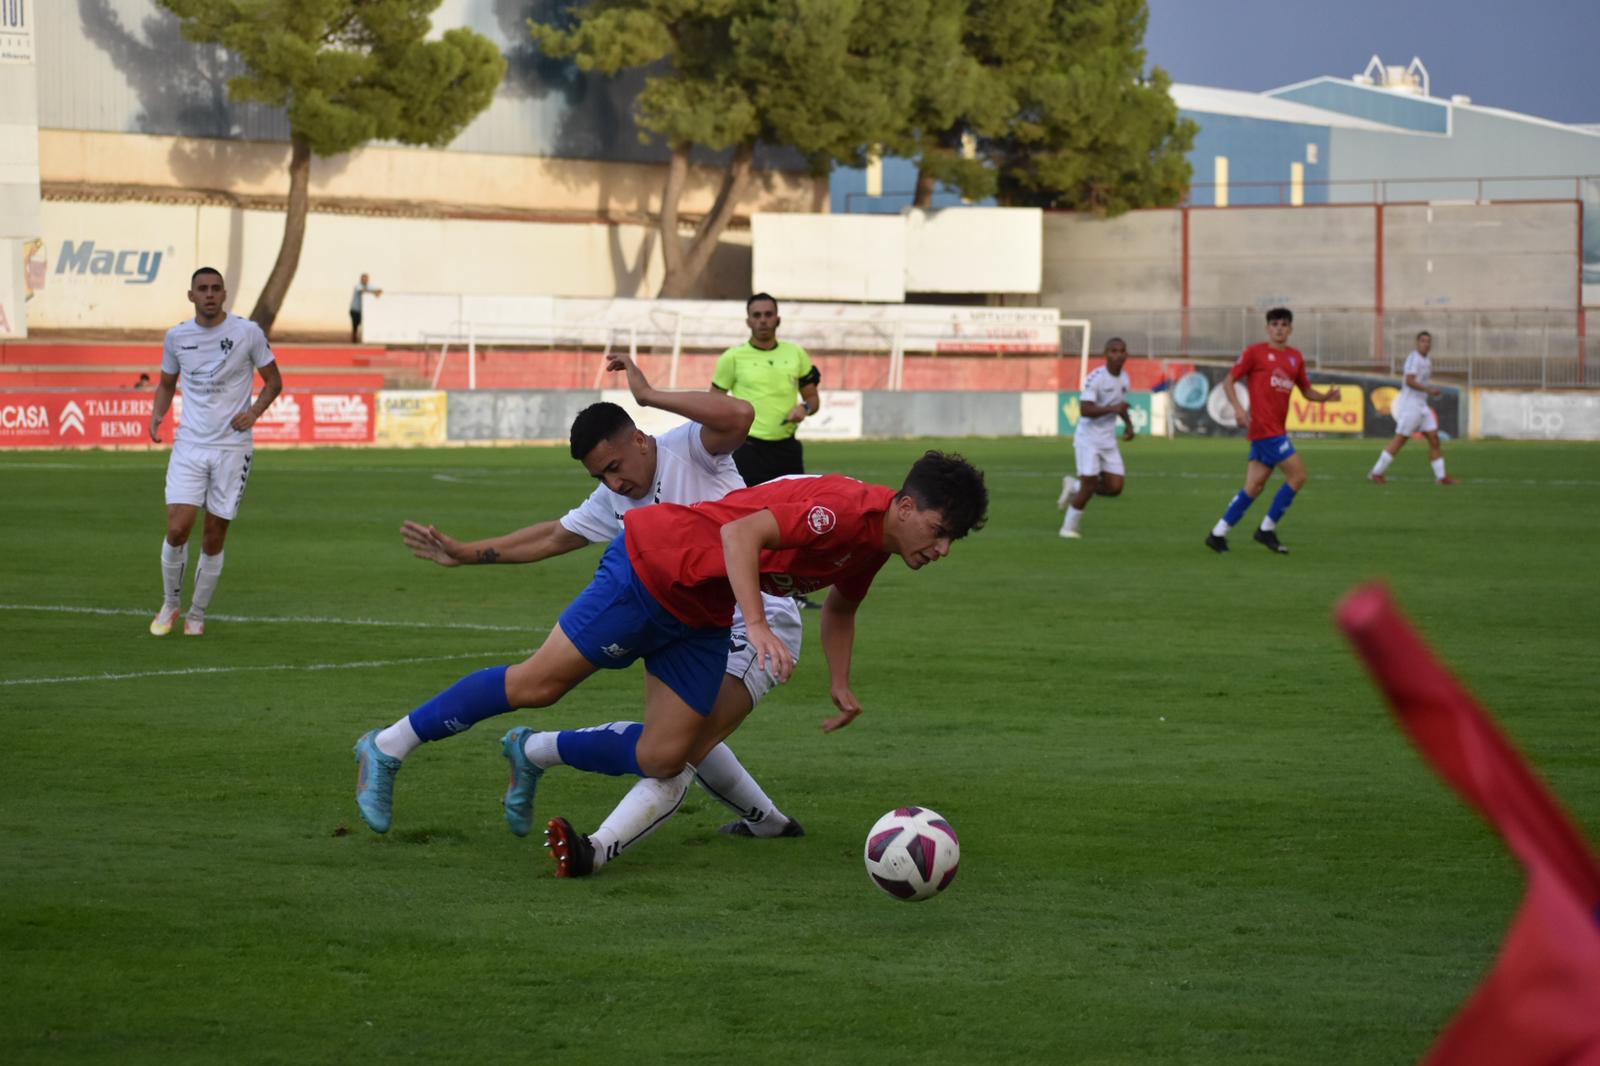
<point>1533,56</point>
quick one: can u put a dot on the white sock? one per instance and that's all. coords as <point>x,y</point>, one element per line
<point>1268,525</point>
<point>173,563</point>
<point>724,776</point>
<point>1220,529</point>
<point>649,803</point>
<point>399,740</point>
<point>1438,467</point>
<point>542,751</point>
<point>1384,459</point>
<point>1074,518</point>
<point>206,573</point>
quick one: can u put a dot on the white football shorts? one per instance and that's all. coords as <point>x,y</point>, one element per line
<point>1411,420</point>
<point>783,615</point>
<point>213,478</point>
<point>1095,459</point>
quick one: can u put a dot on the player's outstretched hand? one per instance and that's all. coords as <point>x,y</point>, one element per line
<point>1127,433</point>
<point>155,430</point>
<point>426,542</point>
<point>638,384</point>
<point>1333,393</point>
<point>848,706</point>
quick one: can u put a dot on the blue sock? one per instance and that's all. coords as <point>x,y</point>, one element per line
<point>1241,503</point>
<point>1280,503</point>
<point>463,705</point>
<point>602,749</point>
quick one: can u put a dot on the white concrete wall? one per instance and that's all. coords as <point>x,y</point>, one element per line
<point>1481,255</point>
<point>625,191</point>
<point>448,255</point>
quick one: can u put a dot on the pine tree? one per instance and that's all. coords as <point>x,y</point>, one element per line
<point>347,72</point>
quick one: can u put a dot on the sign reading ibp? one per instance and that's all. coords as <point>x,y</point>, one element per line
<point>1347,414</point>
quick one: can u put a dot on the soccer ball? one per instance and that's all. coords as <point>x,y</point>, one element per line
<point>912,853</point>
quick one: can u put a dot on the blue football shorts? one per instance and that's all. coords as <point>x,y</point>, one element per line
<point>1271,450</point>
<point>615,621</point>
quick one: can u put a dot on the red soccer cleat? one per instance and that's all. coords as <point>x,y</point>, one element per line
<point>572,851</point>
<point>1378,479</point>
<point>1448,480</point>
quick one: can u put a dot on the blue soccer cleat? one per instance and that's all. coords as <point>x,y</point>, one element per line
<point>524,780</point>
<point>375,783</point>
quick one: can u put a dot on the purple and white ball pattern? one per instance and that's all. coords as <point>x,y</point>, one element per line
<point>912,853</point>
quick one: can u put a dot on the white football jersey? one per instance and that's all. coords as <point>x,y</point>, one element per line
<point>685,473</point>
<point>216,369</point>
<point>1420,367</point>
<point>1101,388</point>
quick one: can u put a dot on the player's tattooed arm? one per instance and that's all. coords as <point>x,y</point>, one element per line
<point>527,545</point>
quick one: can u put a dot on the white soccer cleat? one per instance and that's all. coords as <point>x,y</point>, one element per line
<point>161,624</point>
<point>194,627</point>
<point>1069,489</point>
<point>1071,534</point>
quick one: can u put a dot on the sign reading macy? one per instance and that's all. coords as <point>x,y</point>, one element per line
<point>139,267</point>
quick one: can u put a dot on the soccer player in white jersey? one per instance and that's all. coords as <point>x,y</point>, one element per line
<point>1413,415</point>
<point>1100,468</point>
<point>688,464</point>
<point>217,355</point>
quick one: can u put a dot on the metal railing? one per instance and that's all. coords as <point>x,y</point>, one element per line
<point>1346,192</point>
<point>1540,347</point>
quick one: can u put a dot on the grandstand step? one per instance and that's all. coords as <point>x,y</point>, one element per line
<point>13,378</point>
<point>144,354</point>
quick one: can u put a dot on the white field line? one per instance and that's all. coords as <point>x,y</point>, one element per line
<point>296,619</point>
<point>363,664</point>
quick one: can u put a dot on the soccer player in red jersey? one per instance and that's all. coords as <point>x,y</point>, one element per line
<point>1272,370</point>
<point>665,592</point>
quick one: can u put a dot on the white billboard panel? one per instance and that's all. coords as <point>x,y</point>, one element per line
<point>411,318</point>
<point>974,249</point>
<point>829,257</point>
<point>16,32</point>
<point>838,416</point>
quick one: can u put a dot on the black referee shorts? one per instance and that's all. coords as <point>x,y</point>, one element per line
<point>763,460</point>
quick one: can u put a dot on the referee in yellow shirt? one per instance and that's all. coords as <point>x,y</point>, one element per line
<point>771,375</point>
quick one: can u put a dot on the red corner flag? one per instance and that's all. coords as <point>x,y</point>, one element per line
<point>1541,1003</point>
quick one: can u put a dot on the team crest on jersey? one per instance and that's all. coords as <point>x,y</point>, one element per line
<point>820,519</point>
<point>226,345</point>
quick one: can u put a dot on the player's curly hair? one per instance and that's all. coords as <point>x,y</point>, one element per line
<point>951,485</point>
<point>595,423</point>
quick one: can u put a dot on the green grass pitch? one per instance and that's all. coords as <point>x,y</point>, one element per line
<point>1190,832</point>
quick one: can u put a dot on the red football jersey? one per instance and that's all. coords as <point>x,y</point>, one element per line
<point>831,530</point>
<point>1273,373</point>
